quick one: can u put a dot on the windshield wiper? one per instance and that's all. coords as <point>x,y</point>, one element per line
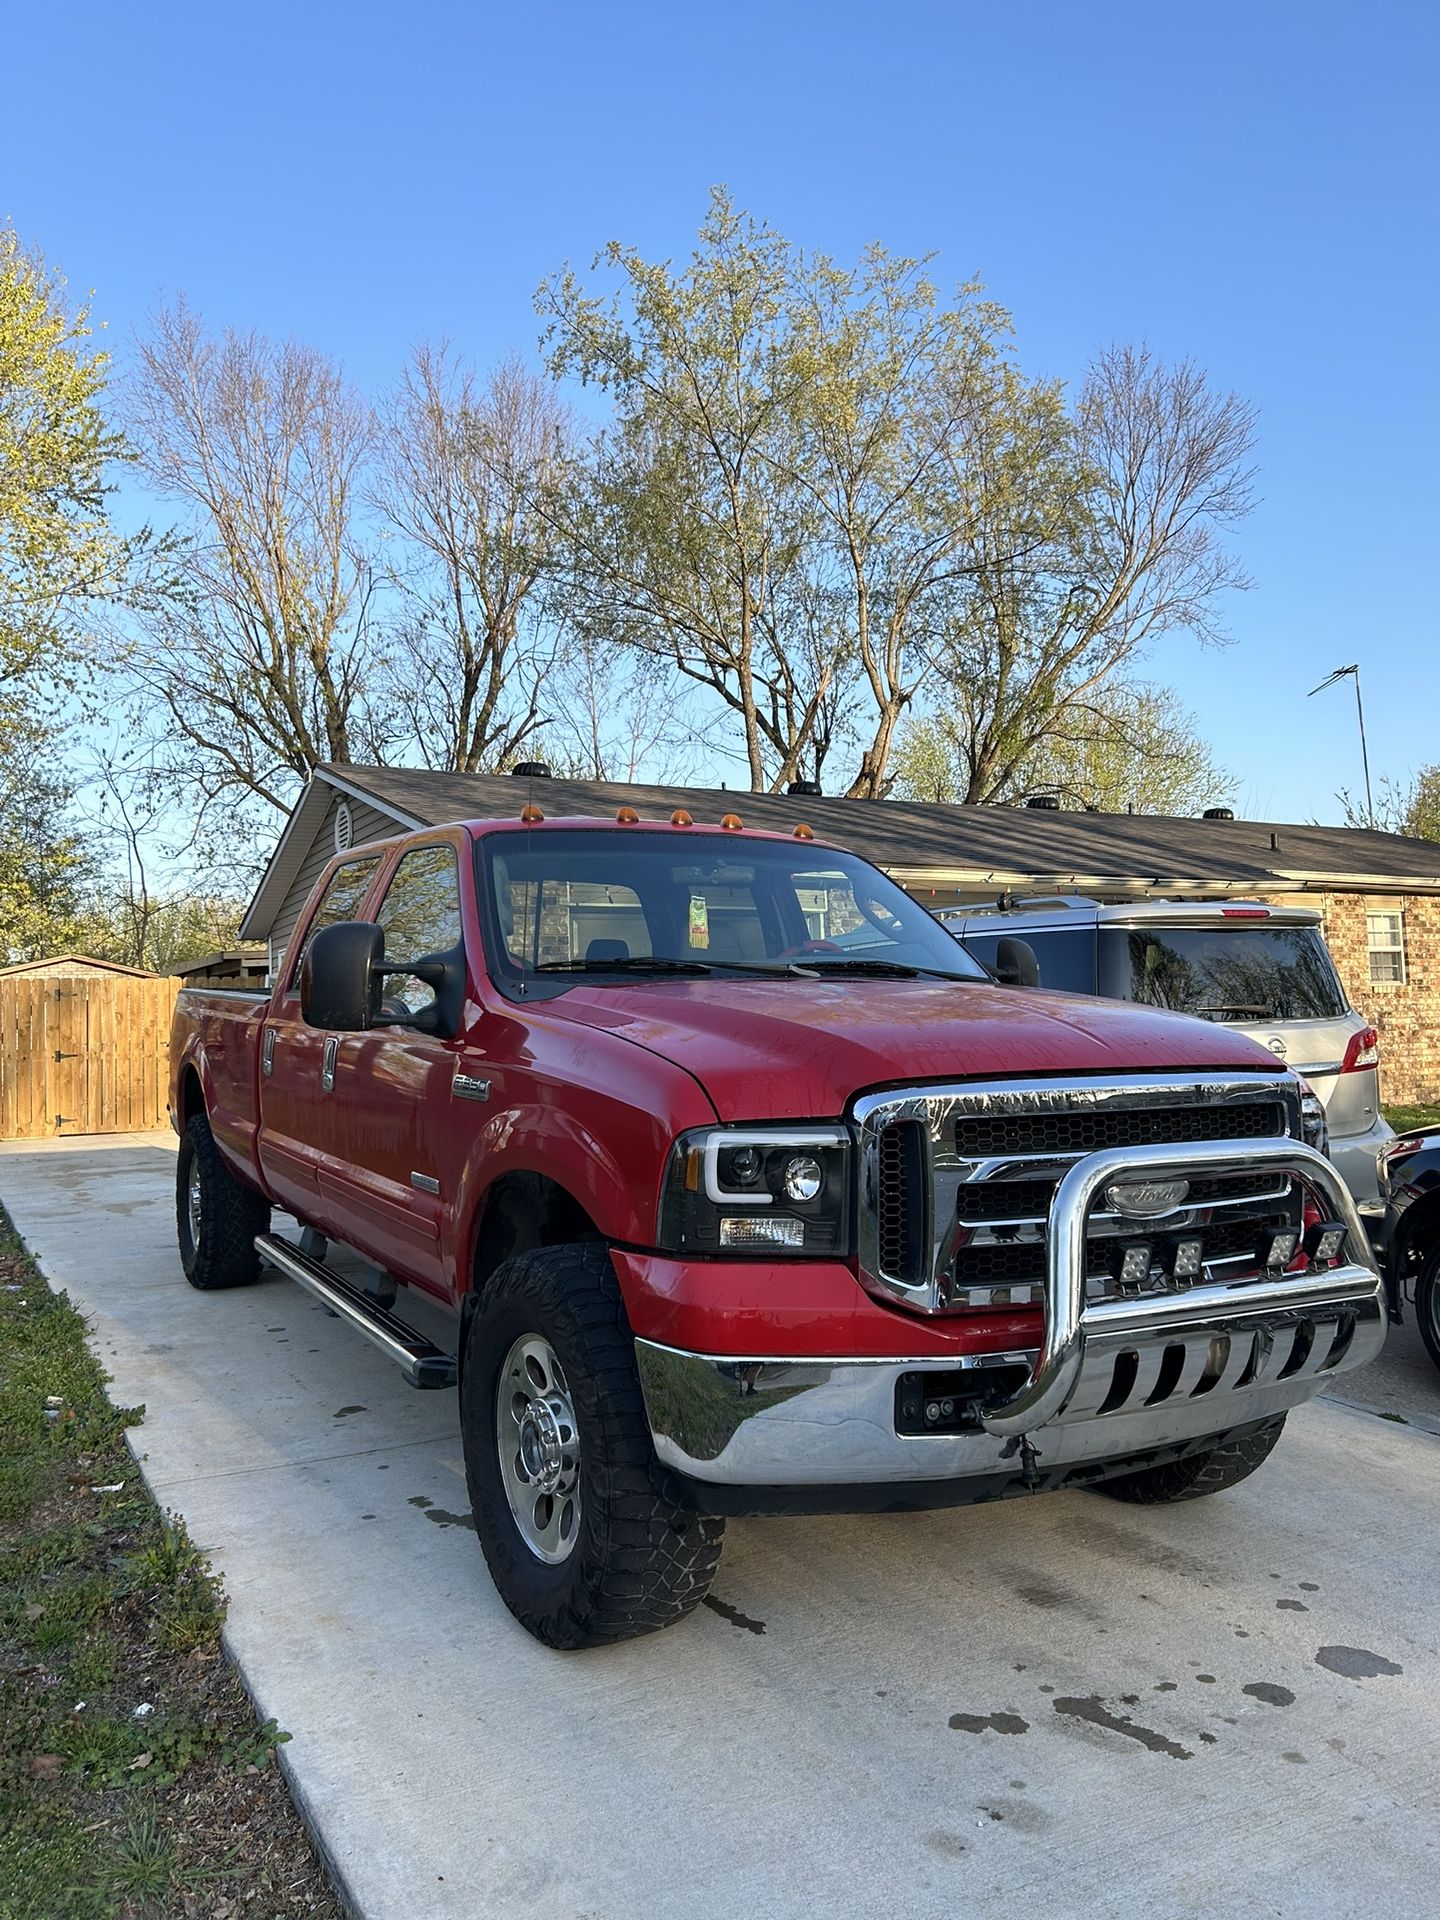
<point>885,969</point>
<point>632,963</point>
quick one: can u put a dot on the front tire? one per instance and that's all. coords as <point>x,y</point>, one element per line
<point>216,1219</point>
<point>587,1538</point>
<point>1198,1474</point>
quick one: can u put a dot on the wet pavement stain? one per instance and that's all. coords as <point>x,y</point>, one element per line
<point>421,1500</point>
<point>1296,1759</point>
<point>1165,1686</point>
<point>988,1723</point>
<point>341,1412</point>
<point>1272,1695</point>
<point>1095,1713</point>
<point>945,1844</point>
<point>1307,1586</point>
<point>1206,1679</point>
<point>1292,1606</point>
<point>1355,1663</point>
<point>733,1615</point>
<point>444,1519</point>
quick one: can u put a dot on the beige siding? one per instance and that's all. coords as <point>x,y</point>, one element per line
<point>366,823</point>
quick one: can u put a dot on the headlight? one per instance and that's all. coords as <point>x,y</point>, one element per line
<point>760,1192</point>
<point>1314,1128</point>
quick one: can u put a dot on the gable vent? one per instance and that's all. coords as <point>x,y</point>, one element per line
<point>344,827</point>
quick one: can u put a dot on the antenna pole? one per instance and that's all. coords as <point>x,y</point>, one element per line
<point>1364,752</point>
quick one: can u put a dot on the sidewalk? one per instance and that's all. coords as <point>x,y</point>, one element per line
<point>1067,1705</point>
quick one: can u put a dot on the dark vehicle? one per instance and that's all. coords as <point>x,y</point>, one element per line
<point>1409,1239</point>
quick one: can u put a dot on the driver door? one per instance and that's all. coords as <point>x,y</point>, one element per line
<point>389,1183</point>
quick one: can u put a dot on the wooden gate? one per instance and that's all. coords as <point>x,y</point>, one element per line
<point>83,1054</point>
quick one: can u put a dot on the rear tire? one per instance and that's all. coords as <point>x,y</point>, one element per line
<point>216,1218</point>
<point>1427,1302</point>
<point>1198,1474</point>
<point>588,1539</point>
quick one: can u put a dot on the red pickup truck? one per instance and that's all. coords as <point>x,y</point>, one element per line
<point>750,1191</point>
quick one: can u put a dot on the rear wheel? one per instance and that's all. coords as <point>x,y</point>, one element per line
<point>216,1218</point>
<point>1427,1301</point>
<point>1198,1474</point>
<point>587,1538</point>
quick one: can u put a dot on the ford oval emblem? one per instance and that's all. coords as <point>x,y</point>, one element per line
<point>1144,1199</point>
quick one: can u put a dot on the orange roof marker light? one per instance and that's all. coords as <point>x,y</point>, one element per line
<point>731,823</point>
<point>802,832</point>
<point>628,817</point>
<point>680,818</point>
<point>530,816</point>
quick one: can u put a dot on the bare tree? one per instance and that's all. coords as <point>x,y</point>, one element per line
<point>469,471</point>
<point>1099,533</point>
<point>261,663</point>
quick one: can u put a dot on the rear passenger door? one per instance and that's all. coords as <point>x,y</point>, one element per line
<point>293,1071</point>
<point>396,1156</point>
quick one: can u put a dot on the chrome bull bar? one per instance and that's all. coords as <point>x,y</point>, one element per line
<point>1232,1336</point>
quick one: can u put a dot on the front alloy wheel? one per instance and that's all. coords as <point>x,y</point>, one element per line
<point>537,1441</point>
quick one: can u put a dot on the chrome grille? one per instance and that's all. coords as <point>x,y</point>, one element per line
<point>956,1182</point>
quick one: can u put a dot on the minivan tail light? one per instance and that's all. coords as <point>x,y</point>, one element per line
<point>1362,1052</point>
<point>1245,913</point>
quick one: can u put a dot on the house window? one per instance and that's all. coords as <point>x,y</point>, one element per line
<point>1385,938</point>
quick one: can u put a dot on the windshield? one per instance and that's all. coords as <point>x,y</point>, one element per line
<point>630,903</point>
<point>1237,973</point>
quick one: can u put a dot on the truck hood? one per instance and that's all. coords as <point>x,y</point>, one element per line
<point>802,1050</point>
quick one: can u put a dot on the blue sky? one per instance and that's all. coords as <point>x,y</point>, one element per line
<point>1253,185</point>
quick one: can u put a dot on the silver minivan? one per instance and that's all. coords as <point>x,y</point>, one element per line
<point>1263,969</point>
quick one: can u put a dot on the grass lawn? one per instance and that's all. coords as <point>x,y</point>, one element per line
<point>1404,1119</point>
<point>135,1780</point>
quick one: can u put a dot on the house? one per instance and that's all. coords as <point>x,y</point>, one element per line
<point>1378,893</point>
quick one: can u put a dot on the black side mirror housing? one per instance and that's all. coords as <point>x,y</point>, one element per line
<point>1015,964</point>
<point>342,979</point>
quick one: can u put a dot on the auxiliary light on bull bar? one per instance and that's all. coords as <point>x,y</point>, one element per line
<point>1130,1263</point>
<point>1184,1258</point>
<point>1325,1241</point>
<point>1277,1250</point>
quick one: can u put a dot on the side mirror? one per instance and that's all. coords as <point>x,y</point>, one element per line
<point>1015,964</point>
<point>341,977</point>
<point>342,980</point>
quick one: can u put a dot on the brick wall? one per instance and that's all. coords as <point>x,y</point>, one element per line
<point>1407,1017</point>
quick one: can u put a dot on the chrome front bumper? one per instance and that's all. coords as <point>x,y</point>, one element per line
<point>1111,1380</point>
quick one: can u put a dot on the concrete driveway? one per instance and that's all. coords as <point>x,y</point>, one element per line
<point>1065,1706</point>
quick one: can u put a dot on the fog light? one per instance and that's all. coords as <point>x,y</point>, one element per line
<point>1325,1241</point>
<point>1186,1259</point>
<point>1131,1264</point>
<point>768,1230</point>
<point>803,1177</point>
<point>1278,1249</point>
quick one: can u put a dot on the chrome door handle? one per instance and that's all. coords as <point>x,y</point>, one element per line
<point>327,1065</point>
<point>267,1051</point>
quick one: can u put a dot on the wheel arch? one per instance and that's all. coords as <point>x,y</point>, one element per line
<point>520,1210</point>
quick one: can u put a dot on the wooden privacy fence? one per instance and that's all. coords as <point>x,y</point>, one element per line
<point>83,1054</point>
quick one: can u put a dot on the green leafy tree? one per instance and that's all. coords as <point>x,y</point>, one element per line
<point>1410,807</point>
<point>57,550</point>
<point>42,853</point>
<point>1125,746</point>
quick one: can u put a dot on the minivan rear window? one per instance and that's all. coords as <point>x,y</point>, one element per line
<point>1235,973</point>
